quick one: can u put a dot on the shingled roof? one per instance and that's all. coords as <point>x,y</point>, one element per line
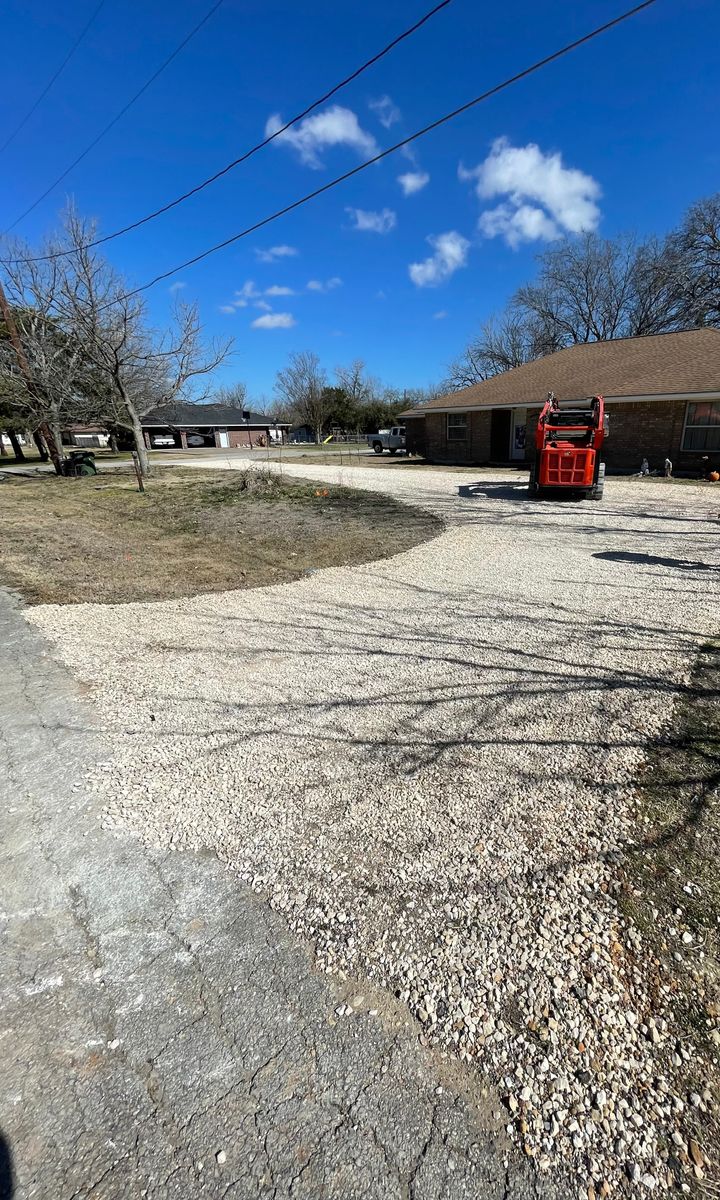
<point>658,365</point>
<point>197,415</point>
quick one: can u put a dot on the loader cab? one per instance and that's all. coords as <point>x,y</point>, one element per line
<point>570,419</point>
<point>567,448</point>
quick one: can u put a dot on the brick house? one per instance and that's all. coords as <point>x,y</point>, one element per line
<point>662,394</point>
<point>192,426</point>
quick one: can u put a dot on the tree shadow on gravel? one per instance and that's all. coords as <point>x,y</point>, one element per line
<point>632,556</point>
<point>585,516</point>
<point>454,678</point>
<point>7,1185</point>
<point>494,491</point>
<point>428,724</point>
<point>438,693</point>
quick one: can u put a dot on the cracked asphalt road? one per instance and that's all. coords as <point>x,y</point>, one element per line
<point>155,1014</point>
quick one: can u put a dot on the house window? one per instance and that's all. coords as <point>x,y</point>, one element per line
<point>457,424</point>
<point>702,426</point>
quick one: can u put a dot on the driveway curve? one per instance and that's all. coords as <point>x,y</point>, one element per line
<point>425,764</point>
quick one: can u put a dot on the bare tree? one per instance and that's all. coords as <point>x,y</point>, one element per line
<point>301,387</point>
<point>13,416</point>
<point>49,384</point>
<point>503,343</point>
<point>277,409</point>
<point>90,354</point>
<point>354,382</point>
<point>234,395</point>
<point>412,397</point>
<point>584,291</point>
<point>138,369</point>
<point>593,289</point>
<point>696,246</point>
<point>655,305</point>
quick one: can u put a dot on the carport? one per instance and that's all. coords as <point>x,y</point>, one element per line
<point>199,426</point>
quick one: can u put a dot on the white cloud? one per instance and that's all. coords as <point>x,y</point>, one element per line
<point>450,253</point>
<point>335,126</point>
<point>249,295</point>
<point>516,225</point>
<point>274,321</point>
<point>440,316</point>
<point>386,111</point>
<point>373,222</point>
<point>413,181</point>
<point>328,285</point>
<point>563,199</point>
<point>275,252</point>
<point>246,294</point>
<point>177,286</point>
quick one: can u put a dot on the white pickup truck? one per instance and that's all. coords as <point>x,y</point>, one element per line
<point>388,439</point>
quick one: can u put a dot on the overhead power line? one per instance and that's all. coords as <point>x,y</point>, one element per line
<point>118,116</point>
<point>11,137</point>
<point>254,149</point>
<point>456,112</point>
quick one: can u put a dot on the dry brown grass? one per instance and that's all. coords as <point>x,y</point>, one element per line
<point>339,454</point>
<point>65,541</point>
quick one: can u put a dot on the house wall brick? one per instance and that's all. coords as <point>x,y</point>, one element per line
<point>241,437</point>
<point>480,435</point>
<point>473,449</point>
<point>652,429</point>
<point>530,432</point>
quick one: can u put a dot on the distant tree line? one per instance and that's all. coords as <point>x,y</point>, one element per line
<point>355,403</point>
<point>592,288</point>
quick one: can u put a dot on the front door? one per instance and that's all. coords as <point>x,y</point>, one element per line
<point>517,446</point>
<point>223,438</point>
<point>500,426</point>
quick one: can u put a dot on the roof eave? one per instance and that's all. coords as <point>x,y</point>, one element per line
<point>619,399</point>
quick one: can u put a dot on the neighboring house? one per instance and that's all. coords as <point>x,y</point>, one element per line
<point>191,426</point>
<point>302,433</point>
<point>85,435</point>
<point>662,394</point>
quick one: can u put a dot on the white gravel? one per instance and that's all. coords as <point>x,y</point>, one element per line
<point>426,763</point>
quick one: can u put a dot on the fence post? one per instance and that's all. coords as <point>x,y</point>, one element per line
<point>138,472</point>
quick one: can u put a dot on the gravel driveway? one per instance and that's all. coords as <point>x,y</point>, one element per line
<point>425,763</point>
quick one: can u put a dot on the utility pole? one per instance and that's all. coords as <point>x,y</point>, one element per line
<point>24,366</point>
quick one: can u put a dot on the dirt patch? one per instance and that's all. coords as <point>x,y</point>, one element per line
<point>672,894</point>
<point>66,541</point>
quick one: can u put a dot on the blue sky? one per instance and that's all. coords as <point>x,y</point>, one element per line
<point>621,135</point>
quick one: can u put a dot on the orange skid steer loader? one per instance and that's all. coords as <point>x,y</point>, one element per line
<point>568,442</point>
